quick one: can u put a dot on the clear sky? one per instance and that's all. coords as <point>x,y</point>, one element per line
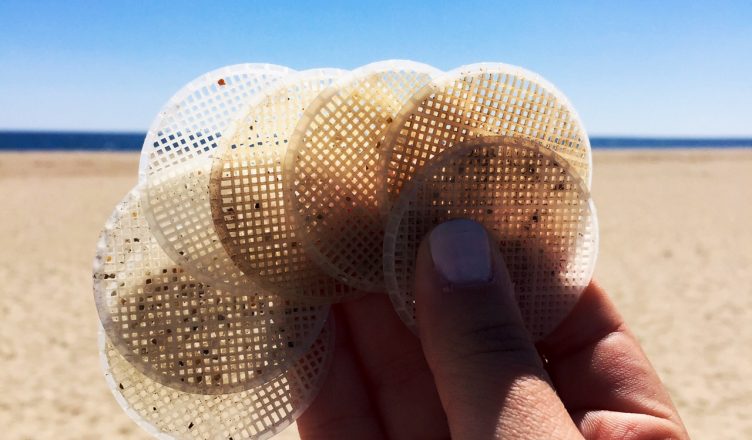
<point>674,68</point>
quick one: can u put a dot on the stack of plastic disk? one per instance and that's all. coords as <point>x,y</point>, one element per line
<point>265,195</point>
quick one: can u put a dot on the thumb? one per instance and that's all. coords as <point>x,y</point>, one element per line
<point>489,376</point>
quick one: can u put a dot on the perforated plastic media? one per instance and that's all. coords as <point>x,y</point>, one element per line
<point>247,198</point>
<point>176,164</point>
<point>190,123</point>
<point>257,413</point>
<point>185,334</point>
<point>532,203</point>
<point>482,100</point>
<point>265,194</point>
<point>334,164</point>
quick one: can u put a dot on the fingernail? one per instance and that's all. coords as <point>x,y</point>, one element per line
<point>461,252</point>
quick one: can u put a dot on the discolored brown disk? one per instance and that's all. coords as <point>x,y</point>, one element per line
<point>333,166</point>
<point>185,334</point>
<point>247,198</point>
<point>482,100</point>
<point>176,164</point>
<point>256,413</point>
<point>532,203</point>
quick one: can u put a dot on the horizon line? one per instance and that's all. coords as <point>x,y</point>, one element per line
<point>591,136</point>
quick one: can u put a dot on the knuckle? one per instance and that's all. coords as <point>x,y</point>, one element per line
<point>499,341</point>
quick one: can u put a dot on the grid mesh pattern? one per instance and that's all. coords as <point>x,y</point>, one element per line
<point>247,198</point>
<point>334,164</point>
<point>178,210</point>
<point>483,100</point>
<point>189,125</point>
<point>532,204</point>
<point>176,163</point>
<point>183,333</point>
<point>257,413</point>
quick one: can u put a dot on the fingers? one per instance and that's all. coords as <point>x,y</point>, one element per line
<point>489,376</point>
<point>394,367</point>
<point>342,409</point>
<point>602,375</point>
<point>380,385</point>
<point>618,425</point>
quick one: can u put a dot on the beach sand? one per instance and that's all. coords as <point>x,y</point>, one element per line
<point>675,253</point>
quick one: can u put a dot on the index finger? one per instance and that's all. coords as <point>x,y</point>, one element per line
<point>602,375</point>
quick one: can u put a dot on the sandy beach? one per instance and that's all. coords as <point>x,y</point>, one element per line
<point>675,253</point>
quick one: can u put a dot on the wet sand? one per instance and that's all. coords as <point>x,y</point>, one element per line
<point>675,253</point>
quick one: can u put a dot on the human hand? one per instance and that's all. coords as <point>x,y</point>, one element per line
<point>477,374</point>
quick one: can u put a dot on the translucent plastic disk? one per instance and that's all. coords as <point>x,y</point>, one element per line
<point>256,413</point>
<point>185,334</point>
<point>190,124</point>
<point>247,198</point>
<point>176,164</point>
<point>334,164</point>
<point>483,100</point>
<point>533,204</point>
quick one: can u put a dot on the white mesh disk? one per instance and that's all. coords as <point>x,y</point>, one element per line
<point>189,125</point>
<point>531,201</point>
<point>482,100</point>
<point>176,163</point>
<point>333,165</point>
<point>256,413</point>
<point>247,198</point>
<point>185,334</point>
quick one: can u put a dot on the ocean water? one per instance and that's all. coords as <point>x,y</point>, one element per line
<point>70,141</point>
<point>647,142</point>
<point>103,141</point>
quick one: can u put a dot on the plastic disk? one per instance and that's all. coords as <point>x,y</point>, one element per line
<point>247,198</point>
<point>189,125</point>
<point>176,164</point>
<point>333,165</point>
<point>483,100</point>
<point>185,334</point>
<point>533,205</point>
<point>256,413</point>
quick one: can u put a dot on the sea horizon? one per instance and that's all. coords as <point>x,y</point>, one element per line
<point>59,140</point>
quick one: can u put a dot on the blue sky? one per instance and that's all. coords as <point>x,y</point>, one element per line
<point>672,68</point>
